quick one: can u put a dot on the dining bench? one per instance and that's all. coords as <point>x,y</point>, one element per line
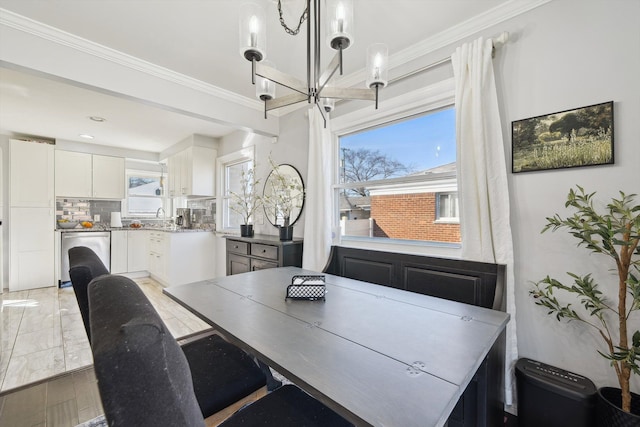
<point>471,282</point>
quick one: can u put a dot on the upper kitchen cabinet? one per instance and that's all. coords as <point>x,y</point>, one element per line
<point>32,165</point>
<point>89,175</point>
<point>192,172</point>
<point>73,174</point>
<point>108,177</point>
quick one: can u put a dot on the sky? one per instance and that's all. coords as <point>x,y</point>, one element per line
<point>422,142</point>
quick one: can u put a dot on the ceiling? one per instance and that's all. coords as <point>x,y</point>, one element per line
<point>197,39</point>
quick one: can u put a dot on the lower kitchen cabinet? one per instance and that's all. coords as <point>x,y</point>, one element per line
<point>129,253</point>
<point>260,252</point>
<point>176,258</point>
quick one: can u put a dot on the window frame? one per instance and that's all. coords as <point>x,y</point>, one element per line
<point>422,101</point>
<point>125,202</point>
<point>222,202</point>
<point>447,219</point>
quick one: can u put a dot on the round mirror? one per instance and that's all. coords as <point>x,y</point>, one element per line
<point>283,195</point>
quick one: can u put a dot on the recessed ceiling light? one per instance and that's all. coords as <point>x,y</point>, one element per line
<point>97,119</point>
<point>84,135</point>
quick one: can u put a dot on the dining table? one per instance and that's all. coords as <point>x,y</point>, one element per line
<point>377,355</point>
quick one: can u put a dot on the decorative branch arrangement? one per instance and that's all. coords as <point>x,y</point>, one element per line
<point>248,200</point>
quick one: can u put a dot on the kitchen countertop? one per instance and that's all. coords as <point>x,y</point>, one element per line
<point>163,229</point>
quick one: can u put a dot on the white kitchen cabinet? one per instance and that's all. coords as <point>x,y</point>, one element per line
<point>119,252</point>
<point>192,172</point>
<point>31,216</point>
<point>129,251</point>
<point>32,248</point>
<point>182,257</point>
<point>89,175</point>
<point>31,175</point>
<point>73,174</point>
<point>108,175</point>
<point>157,261</point>
<point>137,251</point>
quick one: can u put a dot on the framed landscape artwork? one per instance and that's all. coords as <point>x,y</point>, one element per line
<point>566,139</point>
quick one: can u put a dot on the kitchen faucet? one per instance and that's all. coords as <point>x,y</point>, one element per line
<point>164,214</point>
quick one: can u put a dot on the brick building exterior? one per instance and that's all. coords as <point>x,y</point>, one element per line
<point>411,216</point>
<point>405,209</point>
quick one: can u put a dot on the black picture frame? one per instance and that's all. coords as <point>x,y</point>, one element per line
<point>566,139</point>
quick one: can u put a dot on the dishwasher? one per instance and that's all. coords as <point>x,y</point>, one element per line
<point>98,241</point>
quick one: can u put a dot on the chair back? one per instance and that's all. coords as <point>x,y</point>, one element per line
<point>143,375</point>
<point>84,266</point>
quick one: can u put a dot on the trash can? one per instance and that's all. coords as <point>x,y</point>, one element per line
<point>552,397</point>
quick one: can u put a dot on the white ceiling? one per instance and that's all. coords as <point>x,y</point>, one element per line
<point>196,38</point>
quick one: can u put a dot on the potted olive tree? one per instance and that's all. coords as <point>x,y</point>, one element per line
<point>247,200</point>
<point>615,233</point>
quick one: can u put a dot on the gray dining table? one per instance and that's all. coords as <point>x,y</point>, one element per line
<point>377,355</point>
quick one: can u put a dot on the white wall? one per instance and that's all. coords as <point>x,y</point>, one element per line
<point>567,56</point>
<point>560,56</point>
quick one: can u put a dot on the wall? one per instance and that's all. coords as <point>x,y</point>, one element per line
<point>560,56</point>
<point>564,57</point>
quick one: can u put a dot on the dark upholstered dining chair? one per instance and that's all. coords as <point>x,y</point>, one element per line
<point>145,379</point>
<point>84,266</point>
<point>224,376</point>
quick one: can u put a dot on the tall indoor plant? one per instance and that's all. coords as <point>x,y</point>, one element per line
<point>616,234</point>
<point>247,200</point>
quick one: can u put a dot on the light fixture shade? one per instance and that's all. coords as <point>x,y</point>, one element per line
<point>339,20</point>
<point>377,65</point>
<point>253,35</point>
<point>328,104</point>
<point>265,88</point>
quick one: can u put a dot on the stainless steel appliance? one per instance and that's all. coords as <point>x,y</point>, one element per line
<point>98,241</point>
<point>183,217</point>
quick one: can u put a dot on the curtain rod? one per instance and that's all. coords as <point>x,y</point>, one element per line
<point>497,42</point>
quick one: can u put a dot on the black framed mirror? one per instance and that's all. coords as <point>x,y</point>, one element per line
<point>283,196</point>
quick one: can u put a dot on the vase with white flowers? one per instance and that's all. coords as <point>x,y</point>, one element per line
<point>283,195</point>
<point>247,200</point>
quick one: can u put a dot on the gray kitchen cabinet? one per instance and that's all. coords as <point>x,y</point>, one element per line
<point>259,252</point>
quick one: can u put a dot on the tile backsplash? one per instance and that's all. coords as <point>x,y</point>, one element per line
<point>86,210</point>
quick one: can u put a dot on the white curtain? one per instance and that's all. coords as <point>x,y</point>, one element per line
<point>482,176</point>
<point>318,202</point>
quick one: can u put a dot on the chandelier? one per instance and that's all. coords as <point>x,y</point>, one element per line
<point>317,88</point>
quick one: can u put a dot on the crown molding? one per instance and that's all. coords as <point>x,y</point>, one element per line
<point>445,38</point>
<point>451,35</point>
<point>38,29</point>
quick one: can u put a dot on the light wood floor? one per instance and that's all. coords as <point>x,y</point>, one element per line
<point>42,333</point>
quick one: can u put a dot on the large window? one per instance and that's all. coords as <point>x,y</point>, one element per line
<point>397,181</point>
<point>144,193</point>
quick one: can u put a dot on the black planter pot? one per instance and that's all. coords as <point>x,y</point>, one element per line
<point>286,233</point>
<point>609,411</point>
<point>246,230</point>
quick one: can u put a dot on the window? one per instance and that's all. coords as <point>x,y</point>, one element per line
<point>397,180</point>
<point>447,209</point>
<point>144,193</point>
<point>230,168</point>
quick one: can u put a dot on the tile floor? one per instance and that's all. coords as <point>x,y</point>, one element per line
<point>42,333</point>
